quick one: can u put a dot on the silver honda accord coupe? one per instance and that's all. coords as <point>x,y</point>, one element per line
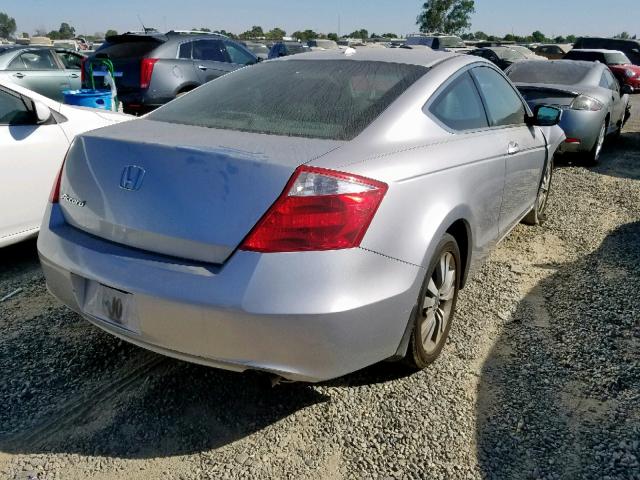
<point>307,216</point>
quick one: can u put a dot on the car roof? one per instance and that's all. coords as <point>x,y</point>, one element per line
<point>421,57</point>
<point>596,50</point>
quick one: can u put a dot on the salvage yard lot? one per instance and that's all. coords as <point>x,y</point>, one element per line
<point>540,378</point>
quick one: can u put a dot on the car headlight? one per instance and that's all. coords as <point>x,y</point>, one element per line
<point>630,73</point>
<point>582,102</point>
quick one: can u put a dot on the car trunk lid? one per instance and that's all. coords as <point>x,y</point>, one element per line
<point>541,94</point>
<point>184,191</point>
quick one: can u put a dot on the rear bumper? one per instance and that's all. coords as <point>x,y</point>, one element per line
<point>309,317</point>
<point>583,126</point>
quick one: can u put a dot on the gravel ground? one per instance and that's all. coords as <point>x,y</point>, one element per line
<point>540,379</point>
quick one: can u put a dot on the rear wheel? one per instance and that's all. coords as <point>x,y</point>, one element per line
<point>436,305</point>
<point>593,157</point>
<point>537,215</point>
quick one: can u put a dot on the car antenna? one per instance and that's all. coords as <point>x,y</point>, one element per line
<point>144,29</point>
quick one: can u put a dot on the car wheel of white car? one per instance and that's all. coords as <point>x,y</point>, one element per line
<point>537,215</point>
<point>436,304</point>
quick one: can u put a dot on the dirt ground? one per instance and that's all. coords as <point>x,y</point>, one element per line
<point>540,378</point>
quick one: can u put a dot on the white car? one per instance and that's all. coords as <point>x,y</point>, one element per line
<point>35,134</point>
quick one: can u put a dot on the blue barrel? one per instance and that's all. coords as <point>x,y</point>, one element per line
<point>88,98</point>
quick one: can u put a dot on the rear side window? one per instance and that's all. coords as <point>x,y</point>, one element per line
<point>184,51</point>
<point>459,106</point>
<point>332,99</point>
<point>210,50</point>
<point>71,61</point>
<point>504,106</point>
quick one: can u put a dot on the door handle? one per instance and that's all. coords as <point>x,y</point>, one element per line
<point>202,67</point>
<point>74,75</point>
<point>513,148</point>
<point>18,75</point>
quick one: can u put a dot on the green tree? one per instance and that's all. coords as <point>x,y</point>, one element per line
<point>623,35</point>
<point>560,39</point>
<point>66,31</point>
<point>333,36</point>
<point>509,38</point>
<point>389,35</point>
<point>571,39</point>
<point>7,25</point>
<point>25,35</point>
<point>276,34</point>
<point>226,34</point>
<point>448,16</point>
<point>362,33</point>
<point>480,35</point>
<point>255,32</point>
<point>305,36</point>
<point>110,33</point>
<point>538,36</point>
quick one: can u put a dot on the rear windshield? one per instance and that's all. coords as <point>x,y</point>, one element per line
<point>616,58</point>
<point>330,99</point>
<point>558,73</point>
<point>508,54</point>
<point>118,48</point>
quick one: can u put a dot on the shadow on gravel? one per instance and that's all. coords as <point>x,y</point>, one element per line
<point>559,395</point>
<point>620,158</point>
<point>18,259</point>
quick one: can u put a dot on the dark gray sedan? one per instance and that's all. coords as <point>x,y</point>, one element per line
<point>45,70</point>
<point>594,104</point>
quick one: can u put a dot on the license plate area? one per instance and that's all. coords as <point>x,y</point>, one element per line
<point>112,306</point>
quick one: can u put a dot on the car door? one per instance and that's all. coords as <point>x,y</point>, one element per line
<point>31,157</point>
<point>524,146</point>
<point>210,59</point>
<point>72,63</point>
<point>458,108</point>
<point>39,70</point>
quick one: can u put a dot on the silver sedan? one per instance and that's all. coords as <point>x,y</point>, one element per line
<point>593,102</point>
<point>307,216</point>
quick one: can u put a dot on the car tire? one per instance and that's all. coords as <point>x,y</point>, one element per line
<point>436,305</point>
<point>537,215</point>
<point>593,157</point>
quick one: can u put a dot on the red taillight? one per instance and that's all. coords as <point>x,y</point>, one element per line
<point>319,210</point>
<point>572,140</point>
<point>146,70</point>
<point>83,74</point>
<point>54,197</point>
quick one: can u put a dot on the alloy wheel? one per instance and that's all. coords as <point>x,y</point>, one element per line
<point>438,301</point>
<point>543,194</point>
<point>603,131</point>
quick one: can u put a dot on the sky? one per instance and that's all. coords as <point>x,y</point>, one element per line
<point>498,17</point>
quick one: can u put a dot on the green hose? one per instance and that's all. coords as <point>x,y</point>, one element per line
<point>109,66</point>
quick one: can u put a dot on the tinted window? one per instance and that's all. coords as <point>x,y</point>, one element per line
<point>459,106</point>
<point>71,61</point>
<point>239,55</point>
<point>612,83</point>
<point>561,73</point>
<point>587,56</point>
<point>334,99</point>
<point>34,60</point>
<point>504,106</point>
<point>212,50</point>
<point>184,51</point>
<point>120,48</point>
<point>13,111</point>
